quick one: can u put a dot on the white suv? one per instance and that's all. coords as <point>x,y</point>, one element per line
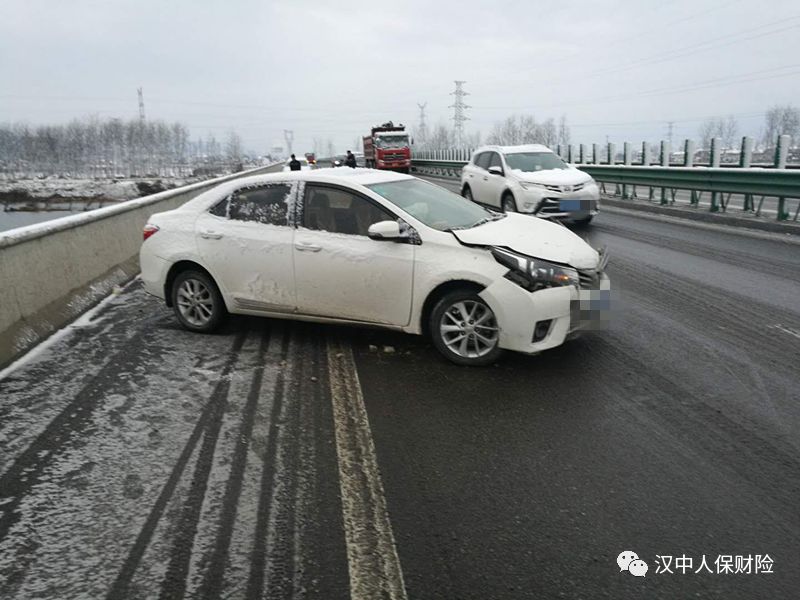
<point>530,179</point>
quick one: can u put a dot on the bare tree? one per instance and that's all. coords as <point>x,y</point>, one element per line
<point>726,129</point>
<point>781,120</point>
<point>441,138</point>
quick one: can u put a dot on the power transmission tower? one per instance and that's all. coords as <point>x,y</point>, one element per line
<point>288,135</point>
<point>141,105</point>
<point>422,133</point>
<point>670,125</point>
<point>458,113</point>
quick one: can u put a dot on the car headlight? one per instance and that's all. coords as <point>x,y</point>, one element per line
<point>591,181</point>
<point>528,185</point>
<point>534,273</point>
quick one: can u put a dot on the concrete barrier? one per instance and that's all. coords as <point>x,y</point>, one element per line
<point>52,272</point>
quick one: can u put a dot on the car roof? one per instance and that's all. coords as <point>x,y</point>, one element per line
<point>515,149</point>
<point>327,175</point>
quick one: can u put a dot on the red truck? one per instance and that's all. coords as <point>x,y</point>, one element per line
<point>387,147</point>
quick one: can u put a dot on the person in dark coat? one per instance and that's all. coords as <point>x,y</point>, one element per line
<point>350,160</point>
<point>294,164</point>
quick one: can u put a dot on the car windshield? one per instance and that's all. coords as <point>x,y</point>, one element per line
<point>391,141</point>
<point>433,205</point>
<point>534,161</point>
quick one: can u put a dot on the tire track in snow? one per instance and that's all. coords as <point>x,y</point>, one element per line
<point>214,578</point>
<point>119,588</point>
<point>175,581</point>
<point>258,558</point>
<point>26,470</point>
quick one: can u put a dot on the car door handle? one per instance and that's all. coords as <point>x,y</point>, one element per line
<point>486,178</point>
<point>306,247</point>
<point>210,235</point>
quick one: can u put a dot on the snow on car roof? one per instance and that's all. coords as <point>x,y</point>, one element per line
<point>516,149</point>
<point>329,175</point>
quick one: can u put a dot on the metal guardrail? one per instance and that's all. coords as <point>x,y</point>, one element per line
<point>721,183</point>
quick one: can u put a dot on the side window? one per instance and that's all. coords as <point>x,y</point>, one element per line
<point>482,160</point>
<point>495,160</point>
<point>267,204</point>
<point>340,211</point>
<point>220,209</point>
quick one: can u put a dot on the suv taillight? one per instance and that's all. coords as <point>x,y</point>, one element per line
<point>148,231</point>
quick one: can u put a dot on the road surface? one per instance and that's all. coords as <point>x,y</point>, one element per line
<point>286,460</point>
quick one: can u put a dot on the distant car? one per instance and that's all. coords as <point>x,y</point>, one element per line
<point>530,179</point>
<point>304,166</point>
<point>374,248</point>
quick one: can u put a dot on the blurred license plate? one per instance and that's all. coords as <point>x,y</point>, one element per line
<point>570,205</point>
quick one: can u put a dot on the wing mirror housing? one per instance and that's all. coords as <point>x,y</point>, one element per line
<point>495,170</point>
<point>385,231</point>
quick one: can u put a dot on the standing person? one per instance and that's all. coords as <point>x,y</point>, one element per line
<point>294,164</point>
<point>350,160</point>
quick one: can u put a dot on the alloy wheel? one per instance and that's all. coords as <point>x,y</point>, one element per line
<point>195,302</point>
<point>469,329</point>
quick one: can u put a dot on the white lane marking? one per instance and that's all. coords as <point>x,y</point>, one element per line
<point>786,330</point>
<point>372,558</point>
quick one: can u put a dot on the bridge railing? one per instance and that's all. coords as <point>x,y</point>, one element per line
<point>53,271</point>
<point>713,186</point>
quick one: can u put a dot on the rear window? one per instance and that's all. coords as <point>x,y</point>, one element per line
<point>267,204</point>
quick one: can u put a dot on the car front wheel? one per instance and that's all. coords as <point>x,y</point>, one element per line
<point>464,329</point>
<point>197,301</point>
<point>467,193</point>
<point>509,205</point>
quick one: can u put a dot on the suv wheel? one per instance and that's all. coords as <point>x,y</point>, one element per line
<point>467,193</point>
<point>509,204</point>
<point>464,329</point>
<point>197,301</point>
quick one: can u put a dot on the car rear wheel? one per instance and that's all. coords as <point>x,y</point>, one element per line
<point>509,204</point>
<point>464,329</point>
<point>197,301</point>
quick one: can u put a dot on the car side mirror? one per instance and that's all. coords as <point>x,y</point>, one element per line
<point>495,170</point>
<point>385,231</point>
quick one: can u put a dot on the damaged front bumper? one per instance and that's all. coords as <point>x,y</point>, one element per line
<point>531,322</point>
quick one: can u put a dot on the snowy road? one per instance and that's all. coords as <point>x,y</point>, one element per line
<point>138,460</point>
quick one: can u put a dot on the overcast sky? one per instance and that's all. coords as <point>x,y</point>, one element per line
<point>331,69</point>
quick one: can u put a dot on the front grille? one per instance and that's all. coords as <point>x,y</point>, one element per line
<point>549,206</point>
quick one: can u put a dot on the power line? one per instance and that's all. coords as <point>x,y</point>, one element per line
<point>693,49</point>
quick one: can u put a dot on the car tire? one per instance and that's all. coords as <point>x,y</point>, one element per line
<point>450,317</point>
<point>509,204</point>
<point>467,193</point>
<point>197,302</point>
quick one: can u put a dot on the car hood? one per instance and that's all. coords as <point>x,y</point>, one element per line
<point>569,176</point>
<point>533,237</point>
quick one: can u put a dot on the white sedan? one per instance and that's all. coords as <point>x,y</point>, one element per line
<point>379,248</point>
